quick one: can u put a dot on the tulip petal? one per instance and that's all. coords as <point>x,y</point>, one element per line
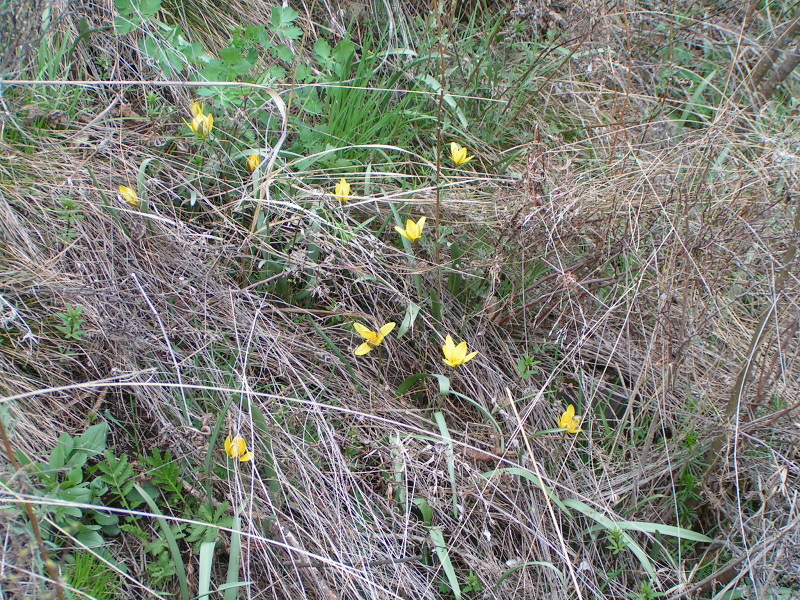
<point>469,357</point>
<point>364,332</point>
<point>364,348</point>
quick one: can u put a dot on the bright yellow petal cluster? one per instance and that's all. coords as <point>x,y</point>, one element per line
<point>342,191</point>
<point>253,162</point>
<point>569,421</point>
<point>413,231</point>
<point>201,123</point>
<point>129,195</point>
<point>237,448</point>
<point>459,154</point>
<point>374,338</point>
<point>456,356</point>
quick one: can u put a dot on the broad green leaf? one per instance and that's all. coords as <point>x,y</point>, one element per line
<point>93,440</point>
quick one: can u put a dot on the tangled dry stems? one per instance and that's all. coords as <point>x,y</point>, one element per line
<point>658,277</point>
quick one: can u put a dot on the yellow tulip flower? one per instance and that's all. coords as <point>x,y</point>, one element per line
<point>129,195</point>
<point>342,191</point>
<point>237,448</point>
<point>374,338</point>
<point>569,421</point>
<point>253,162</point>
<point>201,123</point>
<point>456,356</point>
<point>413,231</point>
<point>459,154</point>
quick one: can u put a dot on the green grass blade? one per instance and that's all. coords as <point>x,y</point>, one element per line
<point>232,578</point>
<point>451,463</point>
<point>525,473</point>
<point>612,525</point>
<point>206,562</point>
<point>171,541</point>
<point>437,537</point>
<point>533,563</point>
<point>671,530</point>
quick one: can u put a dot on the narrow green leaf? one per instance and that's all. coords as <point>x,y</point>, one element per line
<point>444,383</point>
<point>171,541</point>
<point>412,310</point>
<point>437,537</point>
<point>611,525</point>
<point>520,472</point>
<point>533,563</point>
<point>206,562</point>
<point>671,530</point>
<point>232,579</point>
<point>451,463</point>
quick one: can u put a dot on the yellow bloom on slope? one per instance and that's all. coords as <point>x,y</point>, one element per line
<point>569,421</point>
<point>456,355</point>
<point>237,448</point>
<point>413,231</point>
<point>459,154</point>
<point>129,195</point>
<point>374,338</point>
<point>201,123</point>
<point>342,191</point>
<point>253,162</point>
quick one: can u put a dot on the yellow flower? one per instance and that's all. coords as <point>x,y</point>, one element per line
<point>129,195</point>
<point>569,421</point>
<point>342,191</point>
<point>201,123</point>
<point>374,338</point>
<point>237,448</point>
<point>413,231</point>
<point>456,355</point>
<point>459,154</point>
<point>253,162</point>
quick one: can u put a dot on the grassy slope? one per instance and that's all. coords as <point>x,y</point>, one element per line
<point>617,243</point>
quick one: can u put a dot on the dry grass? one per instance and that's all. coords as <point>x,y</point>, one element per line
<point>664,250</point>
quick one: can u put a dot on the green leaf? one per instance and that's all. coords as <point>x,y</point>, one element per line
<point>412,310</point>
<point>149,7</point>
<point>169,535</point>
<point>91,539</point>
<point>343,57</point>
<point>232,578</point>
<point>79,495</point>
<point>59,454</point>
<point>450,455</point>
<point>533,563</point>
<point>93,440</point>
<point>281,22</point>
<point>105,520</point>
<point>671,530</point>
<point>322,49</point>
<point>444,383</point>
<point>425,510</point>
<point>74,477</point>
<point>170,60</point>
<point>526,474</point>
<point>283,53</point>
<point>234,60</point>
<point>206,564</point>
<point>611,525</point>
<point>281,16</point>
<point>437,537</point>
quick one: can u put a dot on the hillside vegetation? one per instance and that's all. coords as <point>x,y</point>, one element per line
<point>382,300</point>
